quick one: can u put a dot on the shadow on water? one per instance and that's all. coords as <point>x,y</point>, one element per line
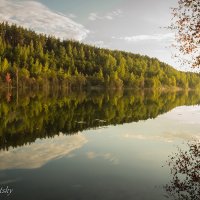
<point>31,115</point>
<point>185,173</point>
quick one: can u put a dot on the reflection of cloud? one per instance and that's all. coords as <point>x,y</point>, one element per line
<point>37,154</point>
<point>106,156</point>
<point>165,137</point>
<point>186,115</point>
<point>109,16</point>
<point>138,38</point>
<point>38,17</point>
<point>93,16</point>
<point>182,123</point>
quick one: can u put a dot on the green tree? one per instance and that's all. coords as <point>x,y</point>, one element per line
<point>4,65</point>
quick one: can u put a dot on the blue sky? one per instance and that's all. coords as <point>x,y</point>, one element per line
<point>130,25</point>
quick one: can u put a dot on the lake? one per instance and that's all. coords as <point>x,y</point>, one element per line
<point>94,145</point>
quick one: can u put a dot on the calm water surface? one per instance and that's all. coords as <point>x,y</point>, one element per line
<point>94,145</point>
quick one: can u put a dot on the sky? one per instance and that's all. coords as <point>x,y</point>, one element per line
<point>136,26</point>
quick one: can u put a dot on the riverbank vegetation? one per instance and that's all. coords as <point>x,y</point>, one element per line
<point>31,60</point>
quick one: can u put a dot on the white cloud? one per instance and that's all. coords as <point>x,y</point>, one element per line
<point>113,14</point>
<point>40,18</point>
<point>99,43</point>
<point>155,37</point>
<point>110,16</point>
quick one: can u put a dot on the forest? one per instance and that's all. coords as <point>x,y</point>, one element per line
<point>31,60</point>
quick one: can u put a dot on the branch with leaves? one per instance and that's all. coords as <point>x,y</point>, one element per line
<point>186,24</point>
<point>185,171</point>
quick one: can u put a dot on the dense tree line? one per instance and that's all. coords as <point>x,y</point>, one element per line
<point>32,60</point>
<point>40,115</point>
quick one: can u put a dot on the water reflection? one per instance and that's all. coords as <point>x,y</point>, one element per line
<point>117,162</point>
<point>165,137</point>
<point>19,158</point>
<point>41,115</point>
<point>185,172</point>
<point>106,156</point>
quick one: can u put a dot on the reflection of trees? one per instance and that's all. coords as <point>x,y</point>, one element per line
<point>39,115</point>
<point>185,171</point>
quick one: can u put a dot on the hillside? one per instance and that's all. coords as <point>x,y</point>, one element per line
<point>33,60</point>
